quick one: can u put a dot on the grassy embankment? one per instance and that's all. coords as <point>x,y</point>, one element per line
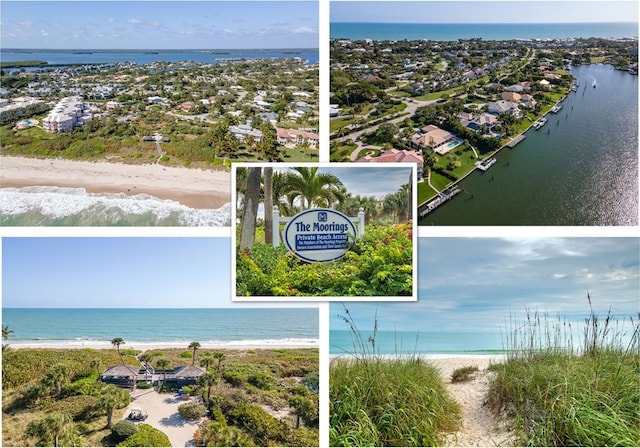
<point>249,383</point>
<point>397,401</point>
<point>563,393</point>
<point>466,159</point>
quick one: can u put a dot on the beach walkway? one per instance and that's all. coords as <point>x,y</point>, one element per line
<point>162,410</point>
<point>479,426</point>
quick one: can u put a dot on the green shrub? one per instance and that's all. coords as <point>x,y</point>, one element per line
<point>186,354</point>
<point>261,380</point>
<point>147,436</point>
<point>259,424</point>
<point>123,430</point>
<point>192,411</point>
<point>380,264</point>
<point>144,385</point>
<point>463,374</point>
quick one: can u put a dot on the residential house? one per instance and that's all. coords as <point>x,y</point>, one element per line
<point>511,96</point>
<point>122,375</point>
<point>185,375</point>
<point>434,137</point>
<point>241,131</point>
<point>398,155</point>
<point>294,137</point>
<point>503,107</point>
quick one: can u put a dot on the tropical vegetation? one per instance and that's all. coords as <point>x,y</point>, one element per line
<point>378,264</point>
<point>52,397</point>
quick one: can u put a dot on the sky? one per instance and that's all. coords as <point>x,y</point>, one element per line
<point>188,272</point>
<point>371,180</point>
<point>159,24</point>
<point>484,12</point>
<point>476,284</point>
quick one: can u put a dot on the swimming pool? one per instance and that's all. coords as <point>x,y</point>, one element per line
<point>452,144</point>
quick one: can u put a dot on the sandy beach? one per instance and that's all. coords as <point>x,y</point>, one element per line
<point>106,345</point>
<point>194,188</point>
<point>479,426</point>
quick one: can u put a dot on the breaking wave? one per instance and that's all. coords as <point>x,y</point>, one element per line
<point>58,206</point>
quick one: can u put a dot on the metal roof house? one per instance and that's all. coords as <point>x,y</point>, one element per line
<point>121,375</point>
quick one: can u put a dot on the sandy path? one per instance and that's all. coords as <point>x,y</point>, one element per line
<point>162,410</point>
<point>194,188</point>
<point>479,426</point>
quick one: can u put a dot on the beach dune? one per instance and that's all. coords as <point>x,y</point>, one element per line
<point>195,188</point>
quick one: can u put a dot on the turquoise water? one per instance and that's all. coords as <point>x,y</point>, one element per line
<point>454,143</point>
<point>58,206</point>
<point>419,342</point>
<point>165,327</point>
<point>487,31</point>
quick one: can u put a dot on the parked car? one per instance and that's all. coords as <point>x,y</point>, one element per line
<point>137,414</point>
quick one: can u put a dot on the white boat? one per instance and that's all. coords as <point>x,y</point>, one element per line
<point>594,84</point>
<point>555,109</point>
<point>541,122</point>
<point>484,165</point>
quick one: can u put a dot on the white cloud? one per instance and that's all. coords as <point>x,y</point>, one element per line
<point>134,21</point>
<point>303,30</point>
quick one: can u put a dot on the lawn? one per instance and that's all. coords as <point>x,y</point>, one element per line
<point>340,122</point>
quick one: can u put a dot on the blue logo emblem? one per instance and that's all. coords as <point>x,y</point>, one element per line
<point>322,216</point>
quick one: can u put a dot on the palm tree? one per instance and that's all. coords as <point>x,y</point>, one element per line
<point>314,189</point>
<point>195,345</point>
<point>95,364</point>
<point>5,335</point>
<point>268,205</point>
<point>6,332</point>
<point>250,209</point>
<point>57,377</point>
<point>206,362</point>
<point>117,342</point>
<point>208,380</point>
<point>220,357</point>
<point>111,398</point>
<point>162,364</point>
<point>50,430</point>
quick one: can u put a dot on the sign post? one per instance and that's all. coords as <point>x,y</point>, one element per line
<point>318,234</point>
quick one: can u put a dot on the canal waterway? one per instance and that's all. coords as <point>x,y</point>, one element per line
<point>581,168</point>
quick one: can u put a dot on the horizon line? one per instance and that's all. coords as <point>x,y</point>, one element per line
<point>161,49</point>
<point>485,23</point>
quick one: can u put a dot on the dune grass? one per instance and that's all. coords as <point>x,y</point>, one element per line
<point>568,390</point>
<point>463,374</point>
<point>382,401</point>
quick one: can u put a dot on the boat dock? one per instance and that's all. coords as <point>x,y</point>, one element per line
<point>485,164</point>
<point>516,140</point>
<point>442,197</point>
<point>541,122</point>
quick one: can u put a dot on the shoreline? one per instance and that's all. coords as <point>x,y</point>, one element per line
<point>143,347</point>
<point>506,145</point>
<point>194,188</point>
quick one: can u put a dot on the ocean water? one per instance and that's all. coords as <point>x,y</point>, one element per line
<point>486,31</point>
<point>341,342</point>
<point>164,327</point>
<point>61,57</point>
<point>58,206</point>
